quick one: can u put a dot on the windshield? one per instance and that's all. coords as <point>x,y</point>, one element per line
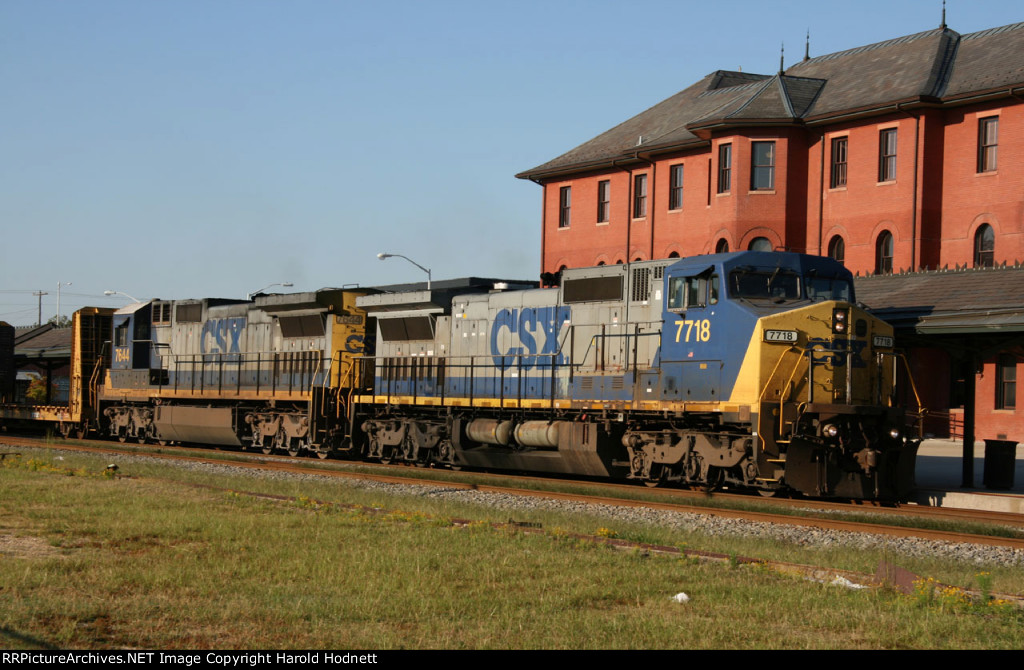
<point>828,288</point>
<point>777,284</point>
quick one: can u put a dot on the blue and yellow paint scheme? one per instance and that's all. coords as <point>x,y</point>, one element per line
<point>748,369</point>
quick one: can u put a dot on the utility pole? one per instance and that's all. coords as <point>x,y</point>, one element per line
<point>39,319</point>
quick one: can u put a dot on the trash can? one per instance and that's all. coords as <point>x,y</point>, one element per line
<point>999,464</point>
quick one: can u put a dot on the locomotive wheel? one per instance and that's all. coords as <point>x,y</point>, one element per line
<point>767,493</point>
<point>276,443</point>
<point>323,454</point>
<point>122,437</point>
<point>294,447</point>
<point>656,478</point>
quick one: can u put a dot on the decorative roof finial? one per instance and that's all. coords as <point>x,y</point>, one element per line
<point>807,45</point>
<point>943,26</point>
<point>782,59</point>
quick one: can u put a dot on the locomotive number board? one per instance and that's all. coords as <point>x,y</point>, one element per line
<point>781,336</point>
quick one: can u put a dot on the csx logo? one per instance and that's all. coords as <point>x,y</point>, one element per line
<point>527,325</point>
<point>354,344</point>
<point>222,336</point>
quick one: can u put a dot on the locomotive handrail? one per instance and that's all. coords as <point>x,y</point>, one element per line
<point>310,364</point>
<point>921,410</point>
<point>391,373</point>
<point>789,385</point>
<point>94,383</point>
<point>609,336</point>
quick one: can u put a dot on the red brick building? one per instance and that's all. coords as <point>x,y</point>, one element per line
<point>902,155</point>
<point>904,150</point>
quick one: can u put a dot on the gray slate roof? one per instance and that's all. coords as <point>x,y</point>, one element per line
<point>42,342</point>
<point>948,301</point>
<point>933,66</point>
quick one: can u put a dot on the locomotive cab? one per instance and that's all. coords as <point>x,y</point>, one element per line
<point>770,344</point>
<point>132,349</point>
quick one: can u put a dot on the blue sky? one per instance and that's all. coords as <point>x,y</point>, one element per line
<point>195,149</point>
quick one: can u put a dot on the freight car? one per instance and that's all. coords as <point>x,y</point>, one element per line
<point>747,369</point>
<point>8,373</point>
<point>90,335</point>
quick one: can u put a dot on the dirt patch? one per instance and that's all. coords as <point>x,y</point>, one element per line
<point>17,546</point>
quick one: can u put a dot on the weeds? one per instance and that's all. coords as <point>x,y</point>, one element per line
<point>333,567</point>
<point>929,593</point>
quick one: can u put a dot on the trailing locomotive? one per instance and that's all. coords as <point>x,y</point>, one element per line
<point>272,373</point>
<point>747,369</point>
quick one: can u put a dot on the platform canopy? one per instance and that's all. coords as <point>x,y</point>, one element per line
<point>972,314</point>
<point>986,301</point>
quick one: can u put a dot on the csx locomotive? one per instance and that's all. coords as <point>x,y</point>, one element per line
<point>747,369</point>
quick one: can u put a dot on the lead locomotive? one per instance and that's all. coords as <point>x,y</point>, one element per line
<point>746,369</point>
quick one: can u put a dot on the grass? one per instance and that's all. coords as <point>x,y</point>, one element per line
<point>639,494</point>
<point>96,561</point>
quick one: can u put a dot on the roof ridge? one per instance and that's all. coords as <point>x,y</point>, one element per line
<point>871,47</point>
<point>718,75</point>
<point>992,31</point>
<point>947,63</point>
<point>946,270</point>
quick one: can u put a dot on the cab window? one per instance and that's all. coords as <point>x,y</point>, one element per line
<point>689,292</point>
<point>121,335</point>
<point>828,288</point>
<point>777,284</point>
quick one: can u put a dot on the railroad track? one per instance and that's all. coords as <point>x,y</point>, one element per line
<point>890,521</point>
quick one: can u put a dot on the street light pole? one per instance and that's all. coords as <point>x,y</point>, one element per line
<point>287,284</point>
<point>132,298</point>
<point>59,284</point>
<point>384,256</point>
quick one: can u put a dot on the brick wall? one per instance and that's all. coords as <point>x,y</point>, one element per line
<point>932,206</point>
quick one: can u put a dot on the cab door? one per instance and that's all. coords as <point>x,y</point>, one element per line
<point>691,339</point>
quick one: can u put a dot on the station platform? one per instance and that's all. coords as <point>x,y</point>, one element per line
<point>939,475</point>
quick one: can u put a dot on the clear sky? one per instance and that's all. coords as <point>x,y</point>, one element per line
<point>188,149</point>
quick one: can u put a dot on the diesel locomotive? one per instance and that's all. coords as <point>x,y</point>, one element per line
<point>750,369</point>
<point>273,373</point>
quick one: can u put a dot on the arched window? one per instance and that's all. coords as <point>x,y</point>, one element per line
<point>674,254</point>
<point>760,244</point>
<point>883,253</point>
<point>722,247</point>
<point>600,263</point>
<point>837,249</point>
<point>984,247</point>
